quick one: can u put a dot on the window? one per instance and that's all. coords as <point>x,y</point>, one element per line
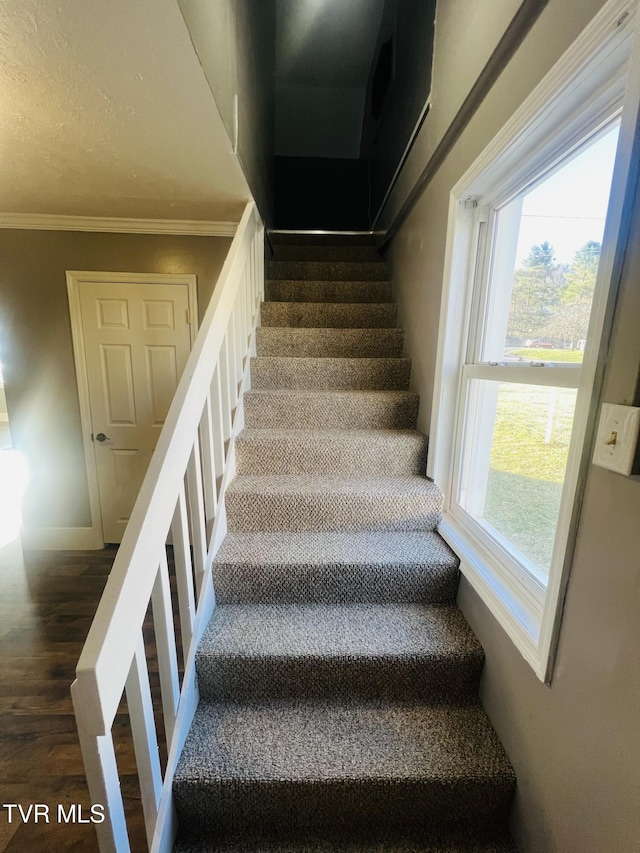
<point>532,239</point>
<point>532,307</point>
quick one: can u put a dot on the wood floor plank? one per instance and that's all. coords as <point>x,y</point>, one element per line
<point>47,602</point>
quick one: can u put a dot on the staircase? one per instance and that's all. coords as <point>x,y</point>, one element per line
<point>338,680</point>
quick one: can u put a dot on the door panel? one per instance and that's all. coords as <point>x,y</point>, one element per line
<point>137,341</point>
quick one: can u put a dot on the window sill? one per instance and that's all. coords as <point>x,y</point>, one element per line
<point>514,610</point>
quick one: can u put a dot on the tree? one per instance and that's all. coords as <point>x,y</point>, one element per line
<point>535,293</point>
<point>581,276</point>
<point>571,320</point>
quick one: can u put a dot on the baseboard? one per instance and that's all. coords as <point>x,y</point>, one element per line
<point>61,539</point>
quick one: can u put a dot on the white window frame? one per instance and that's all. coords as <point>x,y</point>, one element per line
<point>599,74</point>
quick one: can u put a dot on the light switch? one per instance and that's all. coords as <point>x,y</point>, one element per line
<point>617,438</point>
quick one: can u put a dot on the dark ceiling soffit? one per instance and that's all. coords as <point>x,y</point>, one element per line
<point>514,35</point>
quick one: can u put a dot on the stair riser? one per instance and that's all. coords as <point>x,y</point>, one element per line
<point>331,411</point>
<point>329,315</point>
<point>329,343</point>
<point>327,291</point>
<point>326,253</point>
<point>254,512</point>
<point>347,808</point>
<point>246,679</point>
<point>306,374</point>
<point>349,455</point>
<point>328,270</point>
<point>335,584</point>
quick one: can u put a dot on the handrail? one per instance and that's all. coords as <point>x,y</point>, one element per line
<point>182,495</point>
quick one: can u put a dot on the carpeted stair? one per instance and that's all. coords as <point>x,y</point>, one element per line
<point>338,680</point>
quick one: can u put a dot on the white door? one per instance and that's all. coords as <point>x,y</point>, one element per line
<point>136,343</point>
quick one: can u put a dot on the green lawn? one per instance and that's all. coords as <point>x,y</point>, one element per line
<point>525,510</point>
<point>527,466</point>
<point>572,355</point>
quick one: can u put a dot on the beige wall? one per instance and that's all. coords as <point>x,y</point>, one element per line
<point>235,43</point>
<point>465,38</point>
<point>576,744</point>
<point>37,354</point>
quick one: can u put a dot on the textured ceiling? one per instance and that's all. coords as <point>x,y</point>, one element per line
<point>327,43</point>
<point>105,111</point>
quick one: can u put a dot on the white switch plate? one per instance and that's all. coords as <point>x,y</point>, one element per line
<point>623,424</point>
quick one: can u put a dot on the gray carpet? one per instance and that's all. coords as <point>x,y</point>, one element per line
<point>338,680</point>
<point>330,315</point>
<point>326,373</point>
<point>336,568</point>
<point>318,765</point>
<point>312,502</point>
<point>336,343</point>
<point>328,270</point>
<point>292,290</point>
<point>327,845</point>
<point>313,451</point>
<point>362,651</point>
<point>300,409</point>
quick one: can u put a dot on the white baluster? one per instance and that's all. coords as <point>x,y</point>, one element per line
<point>145,740</point>
<point>101,770</point>
<point>184,571</point>
<point>195,498</point>
<point>208,466</point>
<point>166,647</point>
<point>225,381</point>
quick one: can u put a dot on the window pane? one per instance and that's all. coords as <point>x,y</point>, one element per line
<point>545,260</point>
<point>513,466</point>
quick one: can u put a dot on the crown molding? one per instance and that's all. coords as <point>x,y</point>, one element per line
<point>47,222</point>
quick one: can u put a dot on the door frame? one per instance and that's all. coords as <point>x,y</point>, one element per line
<point>75,280</point>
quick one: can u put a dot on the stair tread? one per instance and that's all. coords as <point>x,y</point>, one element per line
<point>304,484</point>
<point>318,845</point>
<point>362,394</point>
<point>328,281</point>
<point>309,548</point>
<point>332,742</point>
<point>338,331</point>
<point>338,631</point>
<point>319,360</point>
<point>320,434</point>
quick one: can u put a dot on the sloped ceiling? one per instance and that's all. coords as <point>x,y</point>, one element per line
<point>326,43</point>
<point>105,111</point>
<point>324,52</point>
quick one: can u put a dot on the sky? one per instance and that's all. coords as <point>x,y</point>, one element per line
<point>570,207</point>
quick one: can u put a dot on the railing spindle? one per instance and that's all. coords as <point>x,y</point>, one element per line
<point>233,361</point>
<point>245,324</point>
<point>145,739</point>
<point>184,573</point>
<point>101,770</point>
<point>225,383</point>
<point>217,426</point>
<point>196,513</point>
<point>238,339</point>
<point>166,646</point>
<point>208,466</point>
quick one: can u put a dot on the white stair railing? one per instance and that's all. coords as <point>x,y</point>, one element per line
<point>182,501</point>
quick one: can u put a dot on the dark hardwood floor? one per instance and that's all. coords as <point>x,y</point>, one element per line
<point>47,601</point>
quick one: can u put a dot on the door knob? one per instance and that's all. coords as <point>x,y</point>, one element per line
<point>102,437</point>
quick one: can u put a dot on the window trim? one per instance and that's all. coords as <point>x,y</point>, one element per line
<point>576,97</point>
